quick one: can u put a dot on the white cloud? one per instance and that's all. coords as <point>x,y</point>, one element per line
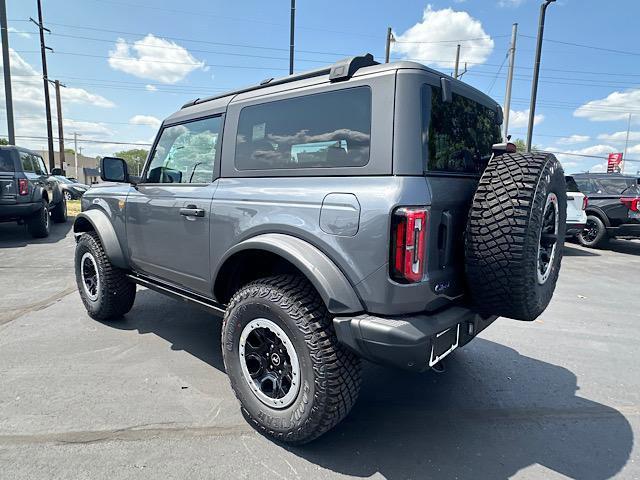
<point>149,120</point>
<point>154,58</point>
<point>598,168</point>
<point>601,150</point>
<point>510,3</point>
<point>615,106</point>
<point>520,118</point>
<point>633,150</point>
<point>28,104</point>
<point>447,27</point>
<point>573,139</point>
<point>619,137</point>
<point>20,33</point>
<point>151,88</point>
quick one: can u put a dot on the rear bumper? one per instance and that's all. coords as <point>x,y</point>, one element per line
<point>18,210</point>
<point>625,230</point>
<point>574,228</point>
<point>405,341</point>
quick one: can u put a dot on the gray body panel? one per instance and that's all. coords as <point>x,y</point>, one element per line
<point>342,215</point>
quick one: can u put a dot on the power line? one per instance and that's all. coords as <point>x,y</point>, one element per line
<point>84,140</point>
<point>591,47</point>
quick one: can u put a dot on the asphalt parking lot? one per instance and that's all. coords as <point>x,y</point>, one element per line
<point>147,397</point>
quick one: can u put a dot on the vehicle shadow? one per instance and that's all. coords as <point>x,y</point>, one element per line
<point>628,247</point>
<point>13,235</point>
<point>493,413</point>
<point>575,251</point>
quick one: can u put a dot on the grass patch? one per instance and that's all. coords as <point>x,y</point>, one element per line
<point>73,208</point>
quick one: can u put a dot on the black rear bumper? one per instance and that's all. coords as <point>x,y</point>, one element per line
<point>12,211</point>
<point>406,341</point>
<point>574,228</point>
<point>625,230</point>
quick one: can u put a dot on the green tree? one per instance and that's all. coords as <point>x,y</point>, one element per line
<point>4,141</point>
<point>69,151</point>
<point>521,146</point>
<point>135,159</point>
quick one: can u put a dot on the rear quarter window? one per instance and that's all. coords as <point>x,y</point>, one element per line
<point>457,136</point>
<point>323,130</point>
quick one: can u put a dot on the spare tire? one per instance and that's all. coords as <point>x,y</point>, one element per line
<point>515,234</point>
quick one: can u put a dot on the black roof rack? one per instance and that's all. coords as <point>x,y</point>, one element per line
<point>341,70</point>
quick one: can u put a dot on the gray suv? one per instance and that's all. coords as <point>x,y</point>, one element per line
<point>29,194</point>
<point>355,211</point>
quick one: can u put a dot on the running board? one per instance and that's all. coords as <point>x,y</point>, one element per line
<point>178,293</point>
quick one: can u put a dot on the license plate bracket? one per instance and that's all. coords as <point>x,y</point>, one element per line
<point>444,343</point>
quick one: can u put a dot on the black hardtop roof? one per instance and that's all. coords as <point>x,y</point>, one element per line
<point>16,147</point>
<point>341,70</point>
<point>603,174</point>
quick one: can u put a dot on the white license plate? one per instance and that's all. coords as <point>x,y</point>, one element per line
<point>444,343</point>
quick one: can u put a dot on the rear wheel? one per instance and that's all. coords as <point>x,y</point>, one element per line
<point>38,225</point>
<point>104,289</point>
<point>294,381</point>
<point>515,235</point>
<point>594,234</point>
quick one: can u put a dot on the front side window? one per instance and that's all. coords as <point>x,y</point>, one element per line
<point>39,165</point>
<point>324,130</point>
<point>457,136</point>
<point>186,153</point>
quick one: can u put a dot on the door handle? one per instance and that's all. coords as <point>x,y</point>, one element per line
<point>192,211</point>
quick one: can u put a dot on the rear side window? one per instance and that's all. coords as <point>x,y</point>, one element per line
<point>457,136</point>
<point>572,186</point>
<point>27,161</point>
<point>323,130</point>
<point>6,161</point>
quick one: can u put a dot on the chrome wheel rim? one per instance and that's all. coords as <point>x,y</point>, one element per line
<point>548,240</point>
<point>269,363</point>
<point>90,277</point>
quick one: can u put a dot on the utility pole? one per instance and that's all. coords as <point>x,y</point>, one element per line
<point>507,95</point>
<point>6,67</point>
<point>45,79</point>
<point>455,71</point>
<point>387,51</point>
<point>75,153</point>
<point>536,72</point>
<point>626,142</point>
<point>291,36</point>
<point>60,129</point>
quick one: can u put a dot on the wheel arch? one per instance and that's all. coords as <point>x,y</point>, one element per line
<point>598,212</point>
<point>274,253</point>
<point>97,221</point>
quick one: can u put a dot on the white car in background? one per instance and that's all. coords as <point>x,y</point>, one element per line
<point>576,205</point>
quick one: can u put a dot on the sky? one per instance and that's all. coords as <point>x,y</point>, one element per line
<point>127,64</point>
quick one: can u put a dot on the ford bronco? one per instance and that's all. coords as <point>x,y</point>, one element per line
<point>358,211</point>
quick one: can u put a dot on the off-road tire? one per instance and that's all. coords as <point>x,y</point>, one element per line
<point>116,293</point>
<point>59,212</point>
<point>330,374</point>
<point>38,224</point>
<point>601,239</point>
<point>504,231</point>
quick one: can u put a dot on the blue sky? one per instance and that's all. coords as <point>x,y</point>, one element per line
<point>129,63</point>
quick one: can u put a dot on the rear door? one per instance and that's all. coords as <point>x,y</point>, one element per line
<point>168,213</point>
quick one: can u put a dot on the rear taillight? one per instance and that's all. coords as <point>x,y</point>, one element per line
<point>585,202</point>
<point>408,241</point>
<point>23,186</point>
<point>632,204</point>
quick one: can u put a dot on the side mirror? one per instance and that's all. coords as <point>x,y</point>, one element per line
<point>113,169</point>
<point>57,171</point>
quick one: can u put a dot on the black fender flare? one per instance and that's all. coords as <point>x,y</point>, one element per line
<point>333,287</point>
<point>98,221</point>
<point>598,212</point>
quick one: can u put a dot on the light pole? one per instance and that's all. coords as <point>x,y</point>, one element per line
<point>536,72</point>
<point>292,35</point>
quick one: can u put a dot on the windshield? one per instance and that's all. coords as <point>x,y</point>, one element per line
<point>63,179</point>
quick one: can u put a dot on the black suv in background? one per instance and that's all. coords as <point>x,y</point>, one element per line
<point>28,193</point>
<point>613,210</point>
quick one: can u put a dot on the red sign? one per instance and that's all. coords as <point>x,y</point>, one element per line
<point>614,164</point>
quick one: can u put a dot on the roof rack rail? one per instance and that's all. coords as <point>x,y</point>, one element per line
<point>341,70</point>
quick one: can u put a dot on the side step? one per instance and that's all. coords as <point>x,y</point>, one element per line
<point>178,293</point>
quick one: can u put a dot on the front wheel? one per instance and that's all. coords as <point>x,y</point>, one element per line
<point>104,289</point>
<point>59,212</point>
<point>594,234</point>
<point>294,381</point>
